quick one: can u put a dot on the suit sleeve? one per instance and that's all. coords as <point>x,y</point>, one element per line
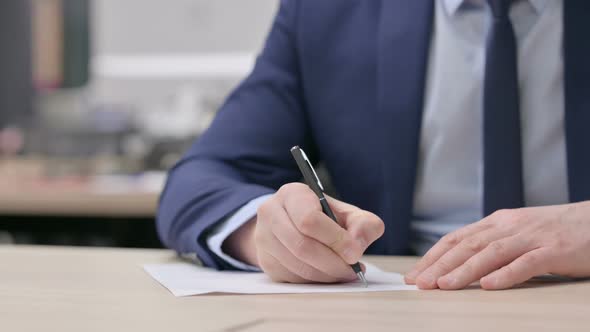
<point>245,153</point>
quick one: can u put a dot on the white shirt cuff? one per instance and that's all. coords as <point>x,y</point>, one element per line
<point>226,227</point>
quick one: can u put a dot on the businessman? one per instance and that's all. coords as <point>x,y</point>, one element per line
<point>454,129</point>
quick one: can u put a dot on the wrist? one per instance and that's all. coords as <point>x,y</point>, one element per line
<point>240,244</point>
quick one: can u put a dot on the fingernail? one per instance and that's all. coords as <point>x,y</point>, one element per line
<point>489,282</point>
<point>447,281</point>
<point>426,280</point>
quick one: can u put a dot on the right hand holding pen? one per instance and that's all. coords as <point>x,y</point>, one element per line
<point>297,243</point>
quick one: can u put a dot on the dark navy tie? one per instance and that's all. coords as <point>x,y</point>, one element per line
<point>503,187</point>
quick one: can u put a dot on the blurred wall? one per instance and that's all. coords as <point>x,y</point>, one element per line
<point>146,50</point>
<point>163,59</point>
<point>180,26</point>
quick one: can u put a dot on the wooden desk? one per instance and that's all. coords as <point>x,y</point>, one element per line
<point>118,197</point>
<point>83,289</point>
<point>77,202</point>
<point>26,190</point>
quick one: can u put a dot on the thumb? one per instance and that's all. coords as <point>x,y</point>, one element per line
<point>365,227</point>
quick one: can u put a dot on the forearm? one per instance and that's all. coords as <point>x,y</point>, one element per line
<point>198,195</point>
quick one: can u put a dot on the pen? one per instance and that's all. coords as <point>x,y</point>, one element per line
<point>313,181</point>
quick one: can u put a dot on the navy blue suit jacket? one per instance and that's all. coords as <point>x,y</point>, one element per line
<point>344,79</point>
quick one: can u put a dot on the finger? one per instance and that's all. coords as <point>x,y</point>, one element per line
<point>364,226</point>
<point>529,265</point>
<point>276,271</point>
<point>306,249</point>
<point>494,256</point>
<point>295,265</point>
<point>445,244</point>
<point>347,212</point>
<point>299,198</point>
<point>316,225</point>
<point>340,208</point>
<point>269,214</point>
<point>456,256</point>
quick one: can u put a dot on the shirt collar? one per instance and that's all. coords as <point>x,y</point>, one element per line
<point>452,6</point>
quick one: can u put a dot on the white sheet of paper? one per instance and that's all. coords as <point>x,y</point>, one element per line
<point>185,279</point>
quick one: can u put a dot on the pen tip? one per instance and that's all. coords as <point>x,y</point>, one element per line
<point>363,279</point>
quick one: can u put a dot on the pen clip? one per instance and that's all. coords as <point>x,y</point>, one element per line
<point>315,175</point>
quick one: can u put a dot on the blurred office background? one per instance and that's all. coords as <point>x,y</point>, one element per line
<point>99,97</point>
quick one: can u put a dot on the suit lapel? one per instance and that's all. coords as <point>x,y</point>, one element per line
<point>405,30</point>
<point>577,96</point>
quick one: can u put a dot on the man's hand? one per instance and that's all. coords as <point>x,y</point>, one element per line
<point>508,248</point>
<point>295,242</point>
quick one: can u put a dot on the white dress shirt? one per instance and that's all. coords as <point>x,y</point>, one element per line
<point>449,187</point>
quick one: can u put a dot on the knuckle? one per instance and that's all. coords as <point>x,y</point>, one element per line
<point>497,247</point>
<point>451,239</point>
<point>284,189</point>
<point>509,215</point>
<point>309,223</point>
<point>301,197</point>
<point>290,189</point>
<point>474,244</point>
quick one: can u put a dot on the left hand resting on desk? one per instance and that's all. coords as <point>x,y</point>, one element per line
<point>508,248</point>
